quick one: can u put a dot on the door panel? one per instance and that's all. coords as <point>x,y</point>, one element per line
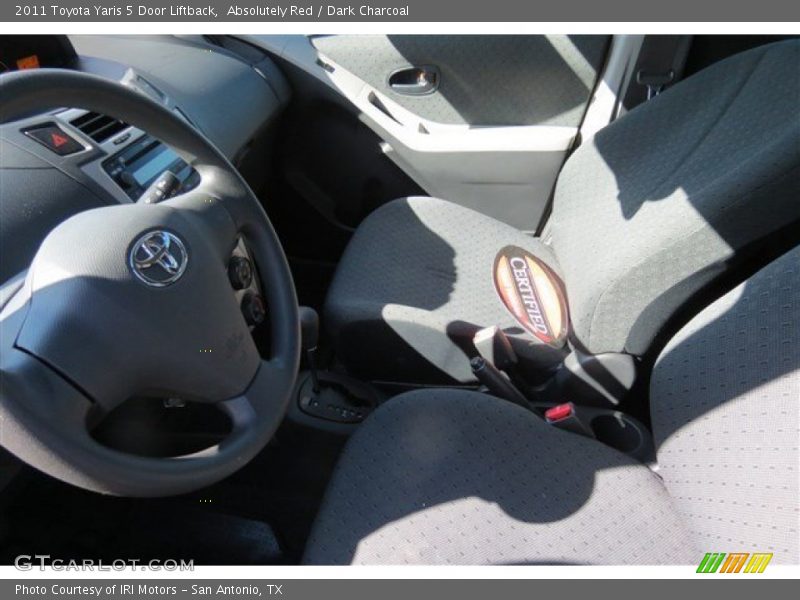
<point>495,129</point>
<point>485,80</point>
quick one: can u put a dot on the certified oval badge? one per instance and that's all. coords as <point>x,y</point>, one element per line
<point>532,294</point>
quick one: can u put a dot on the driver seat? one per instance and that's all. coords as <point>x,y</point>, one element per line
<point>457,477</point>
<point>647,216</point>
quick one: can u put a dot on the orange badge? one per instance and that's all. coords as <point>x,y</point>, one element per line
<point>29,62</point>
<point>532,294</point>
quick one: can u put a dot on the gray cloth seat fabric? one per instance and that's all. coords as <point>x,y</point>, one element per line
<point>725,409</point>
<point>414,286</point>
<point>458,477</point>
<point>647,214</point>
<point>453,476</point>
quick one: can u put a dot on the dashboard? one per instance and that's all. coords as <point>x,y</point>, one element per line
<point>57,164</point>
<point>34,52</point>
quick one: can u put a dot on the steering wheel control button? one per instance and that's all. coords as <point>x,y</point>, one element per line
<point>165,186</point>
<point>55,139</point>
<point>158,258</point>
<point>254,309</point>
<point>240,272</point>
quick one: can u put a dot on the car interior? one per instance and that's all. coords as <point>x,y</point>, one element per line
<point>400,299</point>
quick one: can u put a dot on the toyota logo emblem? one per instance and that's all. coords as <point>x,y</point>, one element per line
<point>158,258</point>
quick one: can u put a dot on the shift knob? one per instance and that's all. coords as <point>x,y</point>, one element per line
<point>309,334</point>
<point>309,327</point>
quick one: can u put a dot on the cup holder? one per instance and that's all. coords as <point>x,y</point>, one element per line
<point>616,431</point>
<point>623,433</point>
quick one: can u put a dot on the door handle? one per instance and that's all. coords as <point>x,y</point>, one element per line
<point>415,81</point>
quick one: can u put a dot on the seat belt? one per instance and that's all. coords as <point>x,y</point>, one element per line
<point>660,65</point>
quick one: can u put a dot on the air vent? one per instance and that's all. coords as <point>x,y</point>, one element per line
<point>98,127</point>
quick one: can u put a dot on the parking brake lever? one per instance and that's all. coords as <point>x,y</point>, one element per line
<point>495,347</point>
<point>496,382</point>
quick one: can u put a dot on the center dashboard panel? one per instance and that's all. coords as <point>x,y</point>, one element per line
<point>137,161</point>
<point>142,162</point>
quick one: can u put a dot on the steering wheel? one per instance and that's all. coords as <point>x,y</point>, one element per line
<point>134,300</point>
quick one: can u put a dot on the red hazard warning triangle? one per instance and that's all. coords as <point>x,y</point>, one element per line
<point>58,139</point>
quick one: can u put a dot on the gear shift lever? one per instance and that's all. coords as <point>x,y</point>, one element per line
<point>309,330</point>
<point>329,400</point>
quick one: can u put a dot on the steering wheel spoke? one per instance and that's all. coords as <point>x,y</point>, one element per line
<point>53,399</point>
<point>206,206</point>
<point>54,413</point>
<point>257,401</point>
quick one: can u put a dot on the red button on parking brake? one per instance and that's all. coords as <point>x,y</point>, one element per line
<point>559,412</point>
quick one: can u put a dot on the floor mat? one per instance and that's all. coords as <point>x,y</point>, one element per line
<point>260,515</point>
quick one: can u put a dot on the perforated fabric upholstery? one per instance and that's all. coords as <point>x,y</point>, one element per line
<point>725,405</point>
<point>415,285</point>
<point>447,476</point>
<point>458,477</point>
<point>651,209</point>
<point>645,215</point>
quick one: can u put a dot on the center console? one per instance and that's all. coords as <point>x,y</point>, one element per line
<point>140,163</point>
